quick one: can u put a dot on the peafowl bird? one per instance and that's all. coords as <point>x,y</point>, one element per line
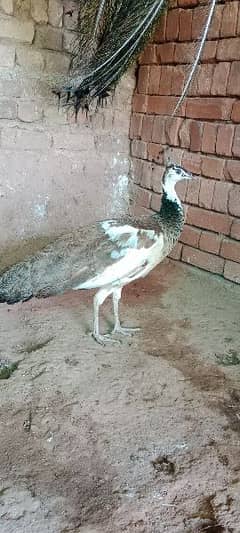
<point>106,256</point>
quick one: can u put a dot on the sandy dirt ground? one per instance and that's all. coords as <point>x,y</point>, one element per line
<point>138,437</point>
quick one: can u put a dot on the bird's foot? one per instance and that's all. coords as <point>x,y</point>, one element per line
<point>104,339</point>
<point>125,331</point>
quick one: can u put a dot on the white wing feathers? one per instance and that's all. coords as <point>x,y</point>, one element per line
<point>134,252</point>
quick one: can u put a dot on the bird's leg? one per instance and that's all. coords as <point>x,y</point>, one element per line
<point>117,327</point>
<point>99,298</point>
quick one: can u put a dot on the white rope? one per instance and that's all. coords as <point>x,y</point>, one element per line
<point>197,58</point>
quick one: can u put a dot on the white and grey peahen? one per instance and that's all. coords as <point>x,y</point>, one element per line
<point>106,256</point>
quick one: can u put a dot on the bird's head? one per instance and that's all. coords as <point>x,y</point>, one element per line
<point>173,174</point>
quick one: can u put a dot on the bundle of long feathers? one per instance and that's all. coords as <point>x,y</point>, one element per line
<point>110,34</point>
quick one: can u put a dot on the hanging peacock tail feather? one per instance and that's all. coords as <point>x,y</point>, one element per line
<point>110,35</point>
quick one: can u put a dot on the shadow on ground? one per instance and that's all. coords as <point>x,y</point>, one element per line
<point>141,437</point>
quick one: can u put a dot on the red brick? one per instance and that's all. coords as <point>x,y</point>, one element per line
<point>155,202</point>
<point>147,128</point>
<point>203,260</point>
<point>187,3</point>
<point>193,189</point>
<point>159,35</point>
<point>146,177</point>
<point>195,135</point>
<point>209,108</point>
<point>149,55</point>
<point>210,242</point>
<point>220,79</point>
<point>234,201</point>
<point>236,142</point>
<point>139,149</point>
<point>230,250</point>
<point>172,30</point>
<point>202,2</point>
<point>155,153</point>
<point>154,79</point>
<point>201,218</point>
<point>158,134</point>
<point>176,155</point>
<point>233,170</point>
<point>157,175</point>
<point>212,167</point>
<point>184,52</point>
<point>172,126</point>
<point>236,112</point>
<point>136,126</point>
<point>209,51</point>
<point>234,79</point>
<point>193,88</point>
<point>140,211</point>
<point>220,198</point>
<point>206,193</point>
<point>165,53</point>
<point>192,162</point>
<point>199,19</point>
<point>176,252</point>
<point>232,271</point>
<point>204,79</point>
<point>137,165</point>
<point>184,134</point>
<point>143,79</point>
<point>225,139</point>
<point>185,24</point>
<point>190,236</point>
<point>166,80</point>
<point>164,105</point>
<point>178,79</point>
<point>229,19</point>
<point>214,30</point>
<point>181,189</point>
<point>140,103</point>
<point>142,196</point>
<point>235,229</point>
<point>209,137</point>
<point>228,49</point>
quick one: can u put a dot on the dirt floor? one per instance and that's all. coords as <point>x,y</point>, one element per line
<point>140,437</point>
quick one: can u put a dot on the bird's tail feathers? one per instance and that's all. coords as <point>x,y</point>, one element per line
<point>15,284</point>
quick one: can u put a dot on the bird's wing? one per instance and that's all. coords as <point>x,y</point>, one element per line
<point>121,253</point>
<point>103,250</point>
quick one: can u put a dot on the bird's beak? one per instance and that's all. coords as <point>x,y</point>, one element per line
<point>188,176</point>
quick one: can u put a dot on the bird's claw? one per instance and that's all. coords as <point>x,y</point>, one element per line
<point>104,339</point>
<point>125,331</point>
<point>118,330</point>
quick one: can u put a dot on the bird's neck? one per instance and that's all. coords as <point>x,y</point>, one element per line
<point>170,193</point>
<point>171,208</point>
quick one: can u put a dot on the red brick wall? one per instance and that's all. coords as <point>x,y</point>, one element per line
<point>54,174</point>
<point>204,136</point>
